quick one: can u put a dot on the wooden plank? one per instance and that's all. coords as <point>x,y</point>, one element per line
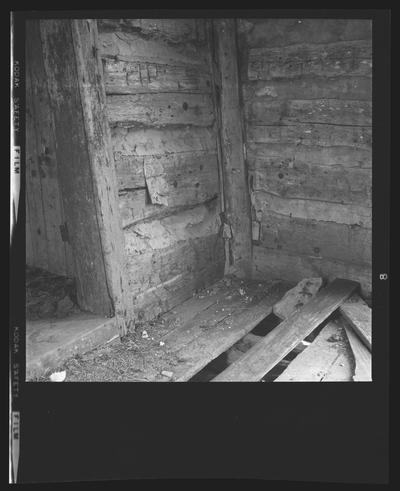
<point>160,109</point>
<point>318,360</point>
<point>333,111</point>
<point>263,155</point>
<point>295,180</point>
<point>124,77</point>
<point>173,30</point>
<point>169,294</point>
<point>75,170</point>
<point>359,316</point>
<point>129,46</point>
<point>237,201</point>
<point>340,87</point>
<point>330,240</point>
<point>293,299</point>
<point>362,357</point>
<point>297,297</point>
<point>138,142</point>
<point>324,135</point>
<point>313,209</point>
<point>278,343</point>
<point>285,32</point>
<point>327,60</point>
<point>45,152</point>
<point>93,97</point>
<point>269,263</point>
<point>216,329</point>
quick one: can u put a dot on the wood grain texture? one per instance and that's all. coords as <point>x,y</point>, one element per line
<point>34,206</point>
<point>75,170</point>
<point>317,362</point>
<point>362,357</point>
<point>237,202</point>
<point>48,193</point>
<point>313,209</point>
<point>297,180</point>
<point>263,155</point>
<point>317,239</point>
<point>286,32</point>
<point>123,77</point>
<point>270,263</point>
<point>171,30</point>
<point>328,60</point>
<point>91,85</point>
<point>131,47</point>
<point>359,316</point>
<point>341,87</point>
<point>322,135</point>
<point>329,111</point>
<point>297,297</point>
<point>160,109</point>
<point>263,356</point>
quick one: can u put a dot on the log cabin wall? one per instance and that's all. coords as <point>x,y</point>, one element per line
<point>164,142</point>
<point>306,87</point>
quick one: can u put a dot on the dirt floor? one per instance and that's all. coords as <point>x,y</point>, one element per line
<point>142,355</point>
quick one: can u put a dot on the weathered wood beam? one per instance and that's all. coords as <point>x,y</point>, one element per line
<point>359,316</point>
<point>237,199</point>
<point>263,356</point>
<point>87,170</point>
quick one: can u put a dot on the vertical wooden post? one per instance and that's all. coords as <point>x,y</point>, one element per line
<point>86,168</point>
<point>237,198</point>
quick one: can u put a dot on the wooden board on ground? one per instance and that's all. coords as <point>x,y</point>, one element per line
<point>362,357</point>
<point>359,315</point>
<point>278,343</point>
<point>293,299</point>
<point>318,362</point>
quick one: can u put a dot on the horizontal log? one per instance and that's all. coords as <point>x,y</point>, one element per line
<point>130,46</point>
<point>123,77</point>
<point>303,181</point>
<point>352,88</point>
<point>128,142</point>
<point>160,109</point>
<point>173,30</point>
<point>332,111</point>
<point>324,135</point>
<point>180,179</point>
<point>172,179</point>
<point>154,267</point>
<point>200,221</point>
<point>327,60</point>
<point>285,32</point>
<point>275,264</point>
<point>316,239</point>
<point>166,296</point>
<point>312,209</point>
<point>262,155</point>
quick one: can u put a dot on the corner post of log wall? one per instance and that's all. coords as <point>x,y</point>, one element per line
<point>236,192</point>
<point>86,168</point>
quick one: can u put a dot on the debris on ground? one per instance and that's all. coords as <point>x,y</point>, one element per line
<point>167,373</point>
<point>58,376</point>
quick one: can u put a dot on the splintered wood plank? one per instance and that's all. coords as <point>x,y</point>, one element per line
<point>293,300</point>
<point>362,357</point>
<point>278,343</point>
<point>217,328</point>
<point>317,362</point>
<point>297,297</point>
<point>359,315</point>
